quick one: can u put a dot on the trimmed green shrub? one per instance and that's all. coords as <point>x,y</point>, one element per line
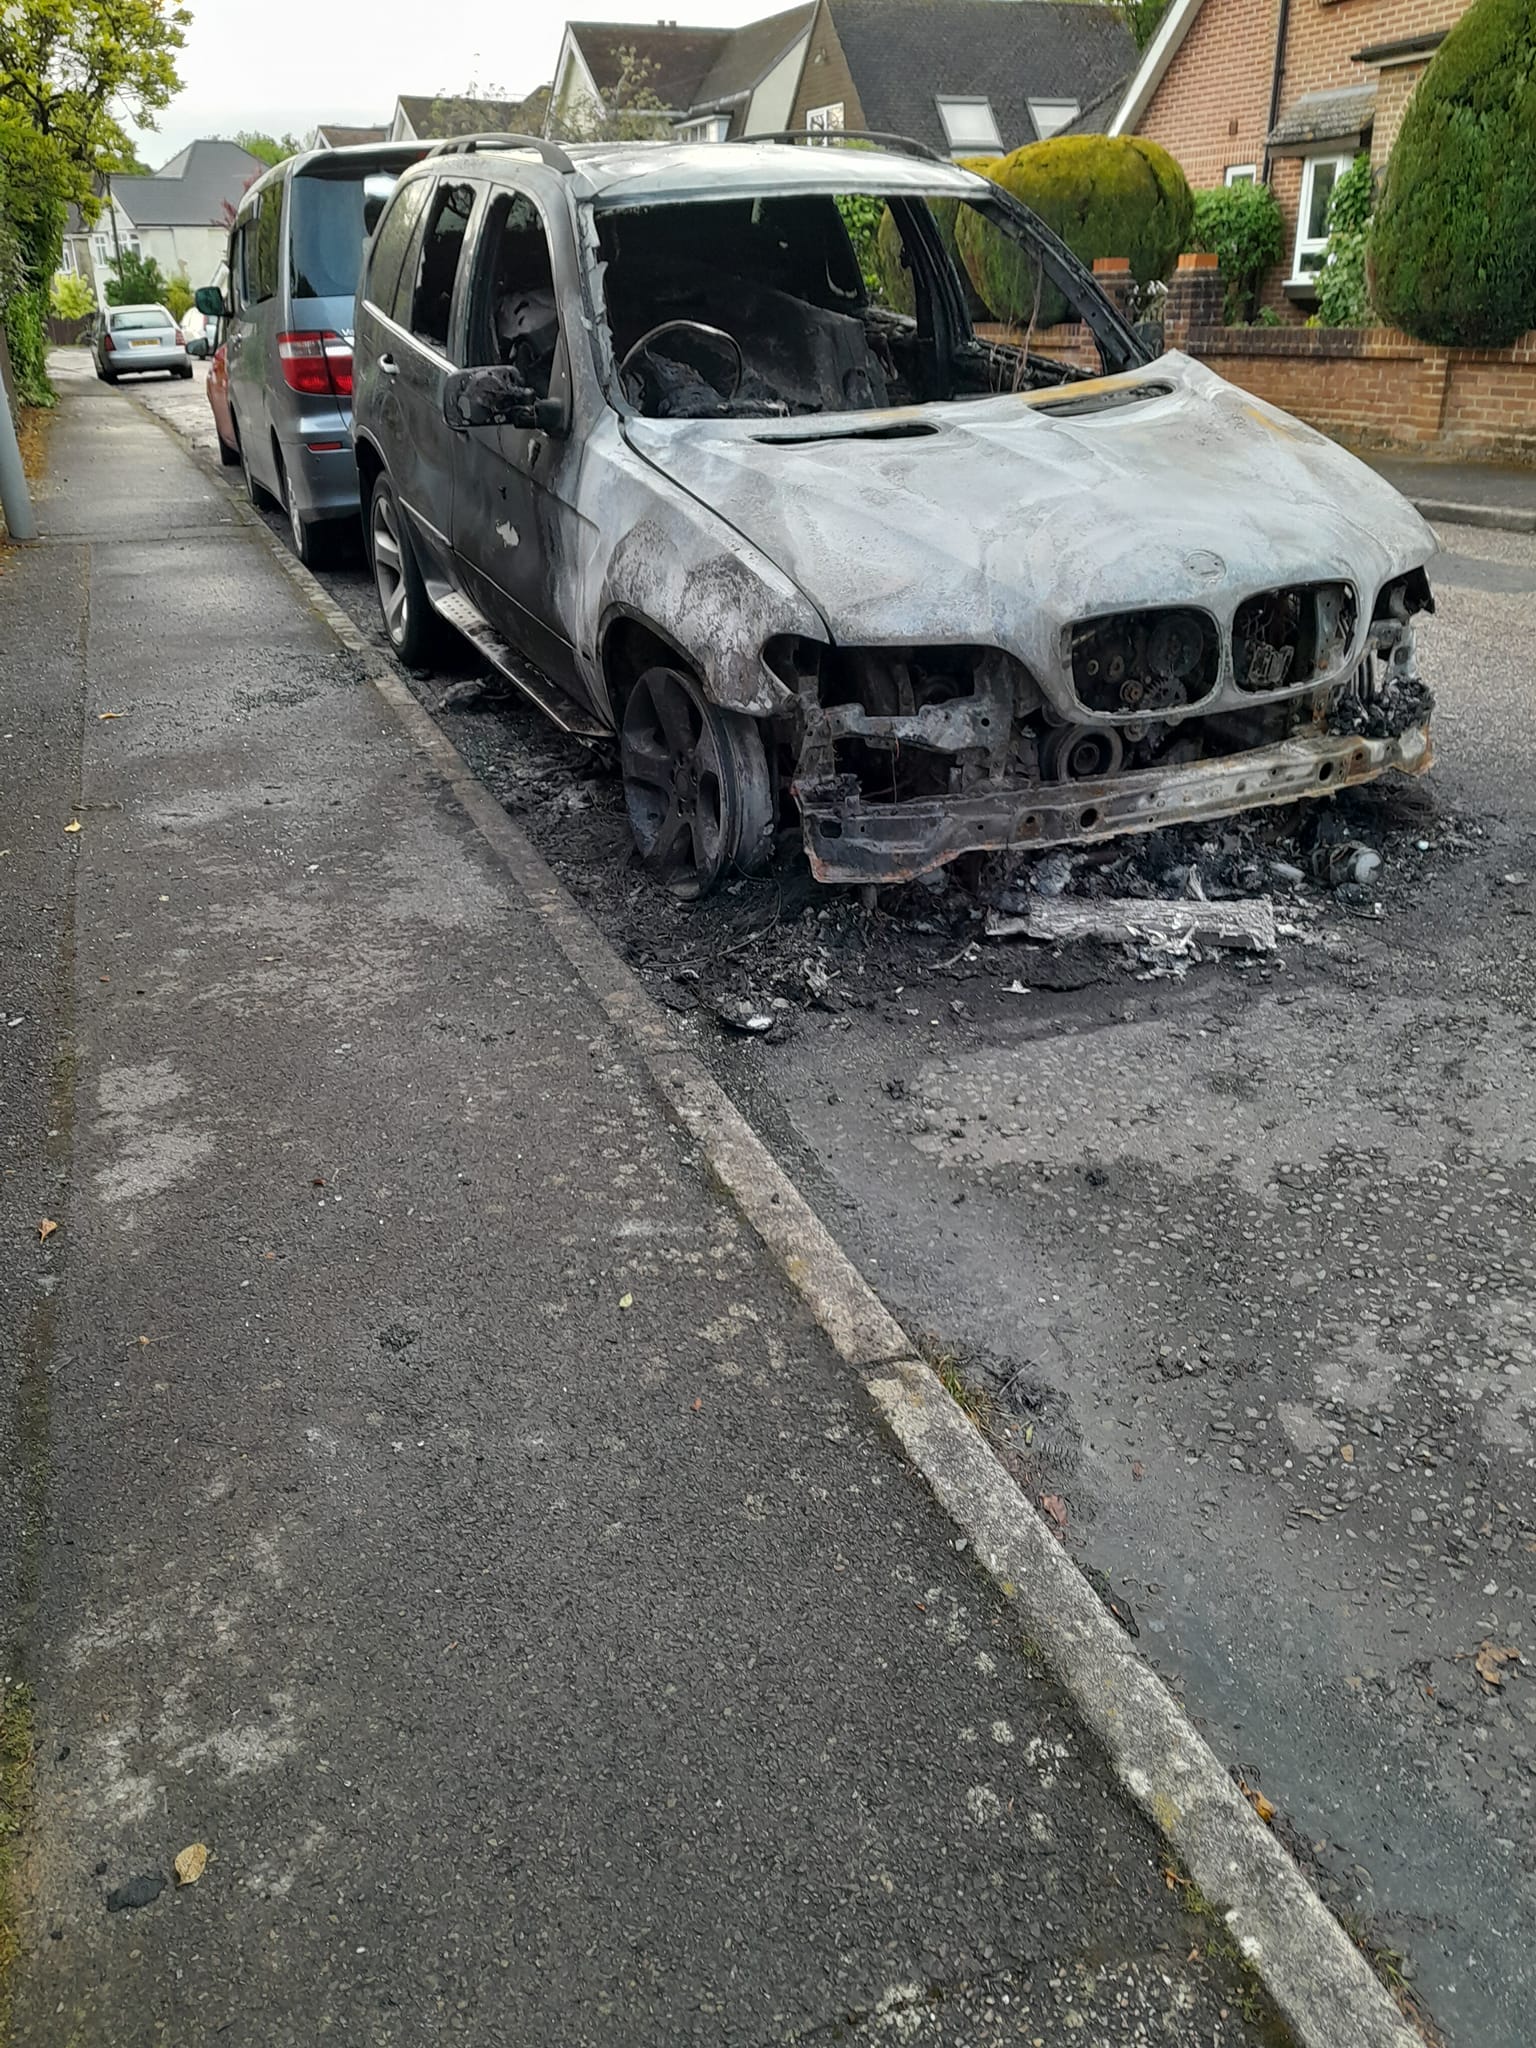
<point>1242,225</point>
<point>1103,195</point>
<point>1342,298</point>
<point>178,294</point>
<point>895,281</point>
<point>1452,250</point>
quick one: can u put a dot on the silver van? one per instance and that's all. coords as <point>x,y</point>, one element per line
<point>294,254</point>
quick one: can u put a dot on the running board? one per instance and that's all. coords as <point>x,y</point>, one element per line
<point>564,711</point>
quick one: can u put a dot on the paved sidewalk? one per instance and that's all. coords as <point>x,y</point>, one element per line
<point>1468,493</point>
<point>452,1521</point>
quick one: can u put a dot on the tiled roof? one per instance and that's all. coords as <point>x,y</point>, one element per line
<point>903,52</point>
<point>1325,116</point>
<point>192,189</point>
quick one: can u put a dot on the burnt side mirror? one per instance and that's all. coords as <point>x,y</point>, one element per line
<point>496,397</point>
<point>209,301</point>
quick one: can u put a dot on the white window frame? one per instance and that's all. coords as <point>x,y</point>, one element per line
<point>1240,174</point>
<point>713,129</point>
<point>1046,131</point>
<point>968,145</point>
<point>1314,245</point>
<point>827,120</point>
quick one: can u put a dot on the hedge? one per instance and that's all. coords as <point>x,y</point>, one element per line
<point>1103,195</point>
<point>1452,250</point>
<point>895,279</point>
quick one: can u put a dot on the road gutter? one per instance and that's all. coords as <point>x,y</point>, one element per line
<point>1319,1980</point>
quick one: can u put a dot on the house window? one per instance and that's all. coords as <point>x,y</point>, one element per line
<point>1319,175</point>
<point>713,130</point>
<point>827,120</point>
<point>1051,116</point>
<point>67,261</point>
<point>970,126</point>
<point>101,248</point>
<point>1240,174</point>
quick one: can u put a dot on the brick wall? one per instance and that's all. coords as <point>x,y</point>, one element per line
<point>1379,388</point>
<point>1212,107</point>
<point>825,76</point>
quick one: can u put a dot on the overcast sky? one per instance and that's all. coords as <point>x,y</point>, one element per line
<point>282,65</point>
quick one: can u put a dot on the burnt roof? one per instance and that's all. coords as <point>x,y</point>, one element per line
<point>903,52</point>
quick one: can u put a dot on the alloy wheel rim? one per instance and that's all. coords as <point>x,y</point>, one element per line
<point>389,569</point>
<point>676,782</point>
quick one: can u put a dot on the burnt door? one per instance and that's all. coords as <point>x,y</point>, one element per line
<point>514,526</point>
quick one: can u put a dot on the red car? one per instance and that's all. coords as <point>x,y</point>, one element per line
<point>218,400</point>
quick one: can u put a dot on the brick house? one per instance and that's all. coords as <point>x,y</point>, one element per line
<point>1287,91</point>
<point>967,77</point>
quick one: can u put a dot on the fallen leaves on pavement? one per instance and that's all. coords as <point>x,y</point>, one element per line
<point>191,1863</point>
<point>1055,1507</point>
<point>1264,1808</point>
<point>73,825</point>
<point>1489,1659</point>
<point>46,1228</point>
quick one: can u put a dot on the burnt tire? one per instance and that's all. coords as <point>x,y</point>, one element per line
<point>697,785</point>
<point>413,629</point>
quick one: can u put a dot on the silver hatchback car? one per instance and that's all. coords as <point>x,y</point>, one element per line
<point>130,341</point>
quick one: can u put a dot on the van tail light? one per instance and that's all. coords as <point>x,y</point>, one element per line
<point>316,362</point>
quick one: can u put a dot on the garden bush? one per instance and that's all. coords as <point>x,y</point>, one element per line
<point>1243,227</point>
<point>1452,250</point>
<point>894,281</point>
<point>1342,297</point>
<point>1103,195</point>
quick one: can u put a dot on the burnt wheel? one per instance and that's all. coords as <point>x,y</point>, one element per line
<point>696,783</point>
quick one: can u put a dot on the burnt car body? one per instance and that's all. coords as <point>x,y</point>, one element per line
<point>627,417</point>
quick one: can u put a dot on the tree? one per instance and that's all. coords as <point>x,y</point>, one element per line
<point>1142,17</point>
<point>895,280</point>
<point>70,296</point>
<point>1104,195</point>
<point>1452,250</point>
<point>139,281</point>
<point>72,72</point>
<point>1243,227</point>
<point>271,149</point>
<point>179,295</point>
<point>1343,299</point>
<point>630,112</point>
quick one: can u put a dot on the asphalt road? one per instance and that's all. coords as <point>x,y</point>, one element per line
<point>432,1502</point>
<point>1258,1247</point>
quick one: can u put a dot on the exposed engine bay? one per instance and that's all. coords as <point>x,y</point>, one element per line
<point>907,752</point>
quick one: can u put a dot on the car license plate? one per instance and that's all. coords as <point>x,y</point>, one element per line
<point>152,341</point>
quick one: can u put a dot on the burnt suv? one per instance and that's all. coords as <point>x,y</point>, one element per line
<point>629,417</point>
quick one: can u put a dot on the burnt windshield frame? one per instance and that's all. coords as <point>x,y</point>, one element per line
<point>1119,344</point>
<point>943,319</point>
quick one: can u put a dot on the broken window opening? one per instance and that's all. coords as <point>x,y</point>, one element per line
<point>757,308</point>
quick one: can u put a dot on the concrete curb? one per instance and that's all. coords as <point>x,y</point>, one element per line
<point>1319,1980</point>
<point>1502,518</point>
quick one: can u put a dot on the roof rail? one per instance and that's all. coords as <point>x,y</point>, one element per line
<point>467,145</point>
<point>828,135</point>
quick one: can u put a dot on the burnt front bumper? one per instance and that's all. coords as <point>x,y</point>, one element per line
<point>851,840</point>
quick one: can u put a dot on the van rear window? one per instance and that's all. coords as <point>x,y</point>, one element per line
<point>326,235</point>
